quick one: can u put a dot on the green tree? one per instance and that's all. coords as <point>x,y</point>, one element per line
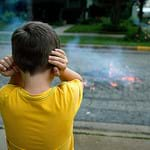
<point>117,9</point>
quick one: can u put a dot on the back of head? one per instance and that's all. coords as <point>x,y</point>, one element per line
<point>31,45</point>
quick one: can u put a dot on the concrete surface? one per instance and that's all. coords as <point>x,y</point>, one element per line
<point>109,129</point>
<point>117,106</point>
<point>2,140</point>
<point>96,142</point>
<point>128,103</point>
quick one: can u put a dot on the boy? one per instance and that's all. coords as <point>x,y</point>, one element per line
<point>37,116</point>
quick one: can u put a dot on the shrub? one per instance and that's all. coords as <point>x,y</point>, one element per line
<point>105,20</point>
<point>107,26</point>
<point>138,36</point>
<point>126,24</point>
<point>131,33</point>
<point>135,33</point>
<point>89,21</point>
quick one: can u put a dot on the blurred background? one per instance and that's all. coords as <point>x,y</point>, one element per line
<point>128,17</point>
<point>108,43</point>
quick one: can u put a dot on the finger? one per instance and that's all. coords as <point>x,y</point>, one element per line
<point>11,59</point>
<point>54,58</point>
<point>8,61</point>
<point>56,53</point>
<point>2,68</point>
<point>8,73</point>
<point>4,63</point>
<point>60,50</point>
<point>58,64</point>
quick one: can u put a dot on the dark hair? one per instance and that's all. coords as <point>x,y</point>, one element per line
<point>31,45</point>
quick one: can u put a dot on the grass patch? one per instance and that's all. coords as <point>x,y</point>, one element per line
<point>82,28</point>
<point>91,28</point>
<point>101,41</point>
<point>91,40</point>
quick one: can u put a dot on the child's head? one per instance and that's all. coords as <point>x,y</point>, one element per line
<point>31,45</point>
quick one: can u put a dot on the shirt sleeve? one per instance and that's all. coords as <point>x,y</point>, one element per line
<point>1,97</point>
<point>73,90</point>
<point>4,92</point>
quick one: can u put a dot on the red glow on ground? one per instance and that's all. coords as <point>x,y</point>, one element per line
<point>131,79</point>
<point>113,84</point>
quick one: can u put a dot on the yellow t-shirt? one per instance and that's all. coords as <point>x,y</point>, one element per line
<point>40,122</point>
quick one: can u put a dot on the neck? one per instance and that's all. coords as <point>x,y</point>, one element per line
<point>37,83</point>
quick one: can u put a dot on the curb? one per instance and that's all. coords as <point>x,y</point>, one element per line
<point>112,130</point>
<point>137,48</point>
<point>113,47</point>
<point>143,48</point>
<point>117,36</point>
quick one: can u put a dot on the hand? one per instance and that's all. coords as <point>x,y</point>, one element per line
<point>7,67</point>
<point>59,60</point>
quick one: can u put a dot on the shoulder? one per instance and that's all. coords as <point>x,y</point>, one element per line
<point>7,89</point>
<point>73,93</point>
<point>73,86</point>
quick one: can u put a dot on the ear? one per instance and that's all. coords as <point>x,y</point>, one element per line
<point>55,71</point>
<point>16,68</point>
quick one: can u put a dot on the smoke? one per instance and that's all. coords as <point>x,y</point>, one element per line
<point>87,58</point>
<point>82,58</point>
<point>102,64</point>
<point>14,23</point>
<point>12,14</point>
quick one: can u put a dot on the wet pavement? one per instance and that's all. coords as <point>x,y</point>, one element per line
<point>117,84</point>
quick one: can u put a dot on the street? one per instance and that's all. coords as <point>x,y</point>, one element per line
<point>117,84</point>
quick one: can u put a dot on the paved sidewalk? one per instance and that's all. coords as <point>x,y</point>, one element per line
<point>60,31</point>
<point>96,142</point>
<point>93,142</point>
<point>2,140</point>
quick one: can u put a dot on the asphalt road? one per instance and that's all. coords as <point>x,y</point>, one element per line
<point>117,84</point>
